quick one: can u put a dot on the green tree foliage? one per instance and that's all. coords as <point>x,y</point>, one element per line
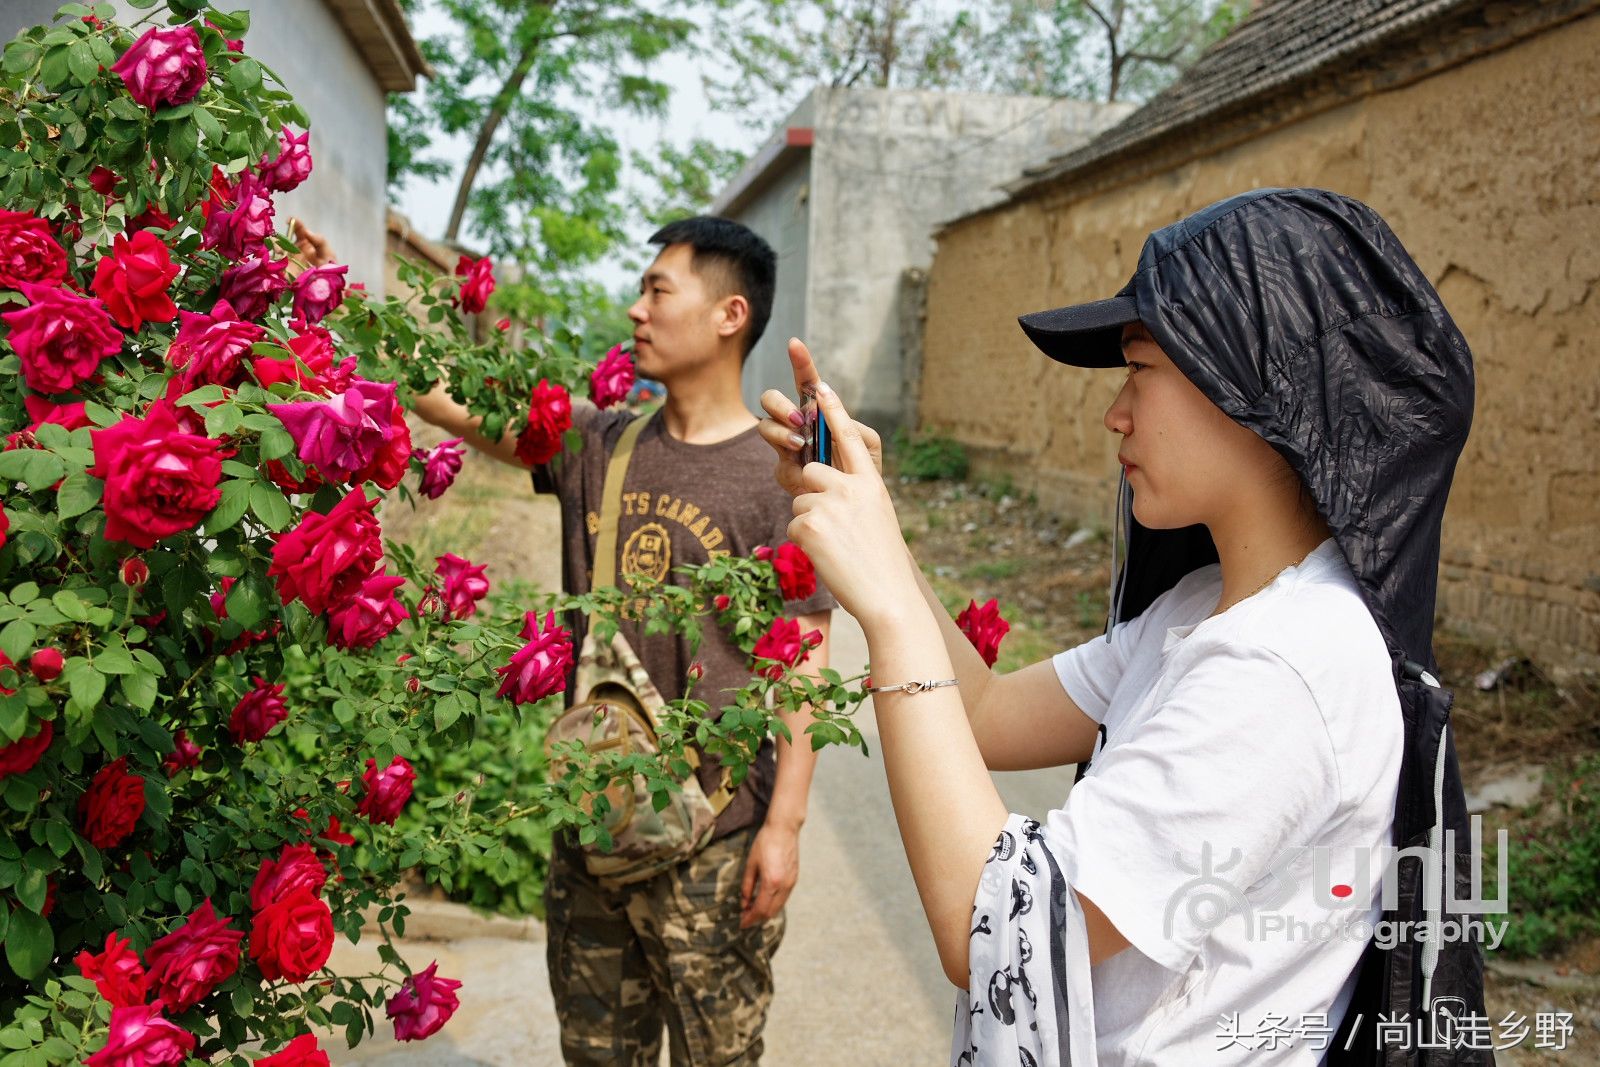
<point>1087,49</point>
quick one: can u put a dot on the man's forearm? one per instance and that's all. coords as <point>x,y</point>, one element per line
<point>436,407</point>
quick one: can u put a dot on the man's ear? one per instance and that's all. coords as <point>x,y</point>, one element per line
<point>735,315</point>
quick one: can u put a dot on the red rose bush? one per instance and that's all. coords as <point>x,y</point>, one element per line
<point>226,701</point>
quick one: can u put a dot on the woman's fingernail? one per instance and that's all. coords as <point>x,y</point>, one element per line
<point>824,389</point>
<point>796,440</point>
<point>796,418</point>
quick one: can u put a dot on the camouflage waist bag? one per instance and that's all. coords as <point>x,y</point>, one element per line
<point>615,709</point>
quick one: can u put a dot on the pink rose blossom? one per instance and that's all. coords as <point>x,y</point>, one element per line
<point>159,480</point>
<point>257,712</point>
<point>187,964</point>
<point>244,227</point>
<point>612,378</point>
<point>60,337</point>
<point>253,285</point>
<point>538,668</point>
<point>164,67</point>
<point>477,283</point>
<point>29,252</point>
<point>440,465</point>
<point>212,349</point>
<point>424,1003</point>
<point>319,291</point>
<point>368,615</point>
<point>293,164</point>
<point>387,790</point>
<point>341,435</point>
<point>141,1037</point>
<point>464,584</point>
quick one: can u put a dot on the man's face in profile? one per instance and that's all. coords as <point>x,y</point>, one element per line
<point>676,318</point>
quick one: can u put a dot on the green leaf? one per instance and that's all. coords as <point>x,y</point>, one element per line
<point>29,944</point>
<point>209,126</point>
<point>78,494</point>
<point>32,888</point>
<point>140,689</point>
<point>183,141</point>
<point>245,76</point>
<point>275,444</point>
<point>270,505</point>
<point>16,639</point>
<point>80,60</point>
<point>230,509</point>
<point>24,592</point>
<point>249,601</point>
<point>86,684</point>
<point>21,56</point>
<point>114,661</point>
<point>38,468</point>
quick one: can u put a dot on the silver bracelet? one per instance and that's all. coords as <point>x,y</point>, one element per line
<point>911,688</point>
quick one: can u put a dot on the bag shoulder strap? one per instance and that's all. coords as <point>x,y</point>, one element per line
<point>605,545</point>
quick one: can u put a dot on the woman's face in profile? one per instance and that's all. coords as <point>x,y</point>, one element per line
<point>1184,458</point>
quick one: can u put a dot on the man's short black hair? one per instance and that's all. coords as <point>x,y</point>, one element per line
<point>733,259</point>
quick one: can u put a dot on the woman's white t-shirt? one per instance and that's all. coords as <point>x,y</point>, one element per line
<point>1245,756</point>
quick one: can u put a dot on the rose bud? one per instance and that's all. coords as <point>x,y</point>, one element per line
<point>413,685</point>
<point>134,572</point>
<point>46,664</point>
<point>503,325</point>
<point>722,602</point>
<point>697,671</point>
<point>763,553</point>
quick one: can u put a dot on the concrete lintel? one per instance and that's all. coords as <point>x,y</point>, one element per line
<point>382,36</point>
<point>776,156</point>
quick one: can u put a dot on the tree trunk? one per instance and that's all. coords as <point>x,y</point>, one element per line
<point>491,122</point>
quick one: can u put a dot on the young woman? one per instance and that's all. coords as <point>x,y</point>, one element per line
<point>1294,403</point>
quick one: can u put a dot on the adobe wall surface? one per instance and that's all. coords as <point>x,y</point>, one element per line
<point>1487,172</point>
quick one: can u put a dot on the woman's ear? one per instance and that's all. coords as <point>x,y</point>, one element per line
<point>735,315</point>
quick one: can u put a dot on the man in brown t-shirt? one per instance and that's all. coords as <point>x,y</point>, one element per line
<point>690,948</point>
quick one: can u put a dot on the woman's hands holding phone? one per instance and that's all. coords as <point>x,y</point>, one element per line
<point>844,519</point>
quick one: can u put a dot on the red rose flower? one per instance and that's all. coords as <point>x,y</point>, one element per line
<point>159,480</point>
<point>393,456</point>
<point>163,67</point>
<point>797,579</point>
<point>292,936</point>
<point>111,806</point>
<point>60,337</point>
<point>722,602</point>
<point>253,285</point>
<point>303,1051</point>
<point>29,252</point>
<point>234,44</point>
<point>342,435</point>
<point>103,180</point>
<point>984,628</point>
<point>296,868</point>
<point>387,790</point>
<point>319,291</point>
<point>538,668</point>
<point>133,280</point>
<point>116,972</point>
<point>477,283</point>
<point>464,584</point>
<point>549,418</point>
<point>211,349</point>
<point>19,757</point>
<point>141,1037</point>
<point>327,557</point>
<point>423,1004</point>
<point>187,964</point>
<point>369,614</point>
<point>185,754</point>
<point>46,664</point>
<point>5,525</point>
<point>293,164</point>
<point>257,712</point>
<point>783,646</point>
<point>244,226</point>
<point>613,376</point>
<point>310,365</point>
<point>47,413</point>
<point>440,465</point>
<point>134,572</point>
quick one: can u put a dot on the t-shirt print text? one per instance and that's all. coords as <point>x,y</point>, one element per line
<point>676,509</point>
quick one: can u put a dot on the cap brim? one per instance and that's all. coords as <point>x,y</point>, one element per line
<point>1083,335</point>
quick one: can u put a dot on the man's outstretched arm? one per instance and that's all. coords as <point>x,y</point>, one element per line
<point>438,408</point>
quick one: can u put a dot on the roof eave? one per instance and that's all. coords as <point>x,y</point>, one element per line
<point>379,30</point>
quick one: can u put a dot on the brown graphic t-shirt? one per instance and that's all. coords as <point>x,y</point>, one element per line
<point>682,504</point>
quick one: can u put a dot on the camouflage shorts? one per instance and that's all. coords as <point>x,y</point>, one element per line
<point>667,951</point>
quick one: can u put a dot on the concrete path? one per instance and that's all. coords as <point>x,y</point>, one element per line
<point>858,979</point>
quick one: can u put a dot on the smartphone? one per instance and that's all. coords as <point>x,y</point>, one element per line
<point>819,442</point>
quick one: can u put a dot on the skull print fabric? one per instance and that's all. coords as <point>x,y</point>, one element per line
<point>1028,1000</point>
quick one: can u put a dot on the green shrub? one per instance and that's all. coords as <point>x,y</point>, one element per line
<point>931,458</point>
<point>1553,868</point>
